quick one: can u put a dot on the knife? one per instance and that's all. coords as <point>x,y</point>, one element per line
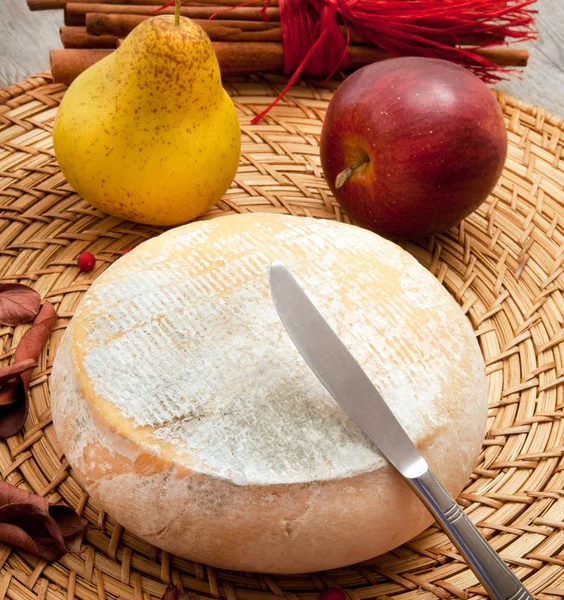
<point>344,379</point>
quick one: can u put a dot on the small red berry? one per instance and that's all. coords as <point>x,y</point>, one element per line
<point>127,251</point>
<point>332,593</point>
<point>86,262</point>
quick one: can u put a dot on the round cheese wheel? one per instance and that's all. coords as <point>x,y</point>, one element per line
<point>190,417</point>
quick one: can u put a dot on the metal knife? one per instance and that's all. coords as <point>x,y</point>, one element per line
<point>344,379</point>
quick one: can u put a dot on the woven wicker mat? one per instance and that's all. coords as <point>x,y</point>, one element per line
<point>503,264</point>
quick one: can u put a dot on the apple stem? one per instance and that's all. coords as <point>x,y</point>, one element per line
<point>345,175</point>
<point>177,12</point>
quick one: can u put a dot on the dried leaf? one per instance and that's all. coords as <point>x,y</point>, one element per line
<point>35,338</point>
<point>10,494</point>
<point>13,396</point>
<point>18,304</point>
<point>67,519</point>
<point>14,401</point>
<point>9,372</point>
<point>28,527</point>
<point>14,405</point>
<point>27,521</point>
<point>171,593</point>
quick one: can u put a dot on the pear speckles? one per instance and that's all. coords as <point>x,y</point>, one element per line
<point>163,38</point>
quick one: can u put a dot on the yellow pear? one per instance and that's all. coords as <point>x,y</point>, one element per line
<point>149,133</point>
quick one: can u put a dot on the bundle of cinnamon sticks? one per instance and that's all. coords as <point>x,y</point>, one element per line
<point>244,41</point>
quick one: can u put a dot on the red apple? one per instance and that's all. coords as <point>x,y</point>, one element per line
<point>411,146</point>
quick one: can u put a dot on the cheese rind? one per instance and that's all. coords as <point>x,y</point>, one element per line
<point>189,415</point>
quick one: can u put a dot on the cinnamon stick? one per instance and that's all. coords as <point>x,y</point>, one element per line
<point>221,29</point>
<point>51,4</point>
<point>77,37</point>
<point>241,58</point>
<point>506,57</point>
<point>45,4</point>
<point>503,56</point>
<point>68,64</point>
<point>75,12</point>
<point>110,24</point>
<point>100,24</point>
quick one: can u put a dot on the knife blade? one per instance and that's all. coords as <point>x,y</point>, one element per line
<point>342,376</point>
<point>340,373</point>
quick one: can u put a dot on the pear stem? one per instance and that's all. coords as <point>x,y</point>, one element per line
<point>346,174</point>
<point>177,12</point>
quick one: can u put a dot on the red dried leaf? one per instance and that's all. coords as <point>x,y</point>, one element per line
<point>10,494</point>
<point>18,304</point>
<point>14,405</point>
<point>67,519</point>
<point>27,526</point>
<point>17,368</point>
<point>27,521</point>
<point>17,537</point>
<point>14,401</point>
<point>171,593</point>
<point>332,593</point>
<point>34,339</point>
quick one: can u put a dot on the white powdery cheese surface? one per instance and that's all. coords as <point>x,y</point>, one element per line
<point>179,346</point>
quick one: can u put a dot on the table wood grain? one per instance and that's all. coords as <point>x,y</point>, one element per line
<point>26,37</point>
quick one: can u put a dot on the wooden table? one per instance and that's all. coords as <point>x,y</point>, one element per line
<point>26,37</point>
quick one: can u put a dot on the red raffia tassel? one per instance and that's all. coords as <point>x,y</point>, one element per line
<point>314,45</point>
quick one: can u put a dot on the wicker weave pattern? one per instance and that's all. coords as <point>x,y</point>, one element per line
<point>504,265</point>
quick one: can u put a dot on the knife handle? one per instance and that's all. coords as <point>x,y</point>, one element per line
<point>489,568</point>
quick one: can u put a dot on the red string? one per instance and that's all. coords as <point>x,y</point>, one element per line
<point>293,78</point>
<point>251,2</point>
<point>263,10</point>
<point>167,5</point>
<point>342,59</point>
<point>266,4</point>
